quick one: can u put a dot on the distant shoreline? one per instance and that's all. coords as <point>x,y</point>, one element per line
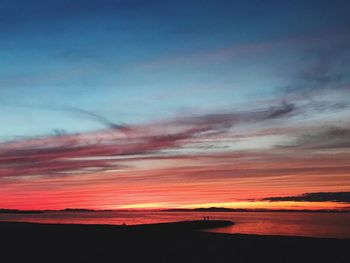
<point>209,210</point>
<point>223,209</point>
<point>78,210</point>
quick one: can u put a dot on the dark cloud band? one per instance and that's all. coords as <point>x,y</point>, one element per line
<point>343,197</point>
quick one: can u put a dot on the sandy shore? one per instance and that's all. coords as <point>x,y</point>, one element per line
<point>172,242</point>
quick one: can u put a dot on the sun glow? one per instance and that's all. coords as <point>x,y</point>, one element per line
<point>290,205</point>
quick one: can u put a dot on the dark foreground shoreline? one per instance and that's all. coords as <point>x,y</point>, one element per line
<point>171,242</point>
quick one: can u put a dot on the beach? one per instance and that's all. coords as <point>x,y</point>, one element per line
<point>169,242</point>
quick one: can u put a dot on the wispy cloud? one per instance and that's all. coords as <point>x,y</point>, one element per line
<point>59,154</point>
<point>323,138</point>
<point>98,118</point>
<point>328,44</point>
<point>343,197</point>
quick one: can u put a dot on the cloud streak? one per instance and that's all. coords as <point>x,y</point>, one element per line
<point>323,138</point>
<point>70,153</point>
<point>343,197</point>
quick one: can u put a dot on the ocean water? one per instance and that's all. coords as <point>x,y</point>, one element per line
<point>335,225</point>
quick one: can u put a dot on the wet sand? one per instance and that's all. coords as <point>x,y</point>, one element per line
<point>170,242</point>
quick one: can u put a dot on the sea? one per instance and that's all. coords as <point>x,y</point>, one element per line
<point>326,225</point>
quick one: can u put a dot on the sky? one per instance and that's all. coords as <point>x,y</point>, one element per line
<point>160,104</point>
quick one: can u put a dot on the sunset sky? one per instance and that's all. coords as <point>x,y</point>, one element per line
<point>159,104</point>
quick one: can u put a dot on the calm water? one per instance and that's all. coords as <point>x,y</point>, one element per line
<point>293,224</point>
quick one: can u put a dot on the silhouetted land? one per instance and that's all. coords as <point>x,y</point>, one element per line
<point>224,209</point>
<point>78,210</point>
<point>15,211</point>
<point>172,242</point>
<point>209,209</point>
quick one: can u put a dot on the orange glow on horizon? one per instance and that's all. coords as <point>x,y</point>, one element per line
<point>229,180</point>
<point>290,205</point>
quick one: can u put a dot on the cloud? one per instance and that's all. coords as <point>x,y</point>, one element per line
<point>342,197</point>
<point>99,119</point>
<point>327,64</point>
<point>68,153</point>
<point>226,120</point>
<point>322,138</point>
<point>327,47</point>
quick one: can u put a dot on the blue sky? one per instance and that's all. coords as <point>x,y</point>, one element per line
<point>134,61</point>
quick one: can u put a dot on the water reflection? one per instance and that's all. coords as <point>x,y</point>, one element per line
<point>277,223</point>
